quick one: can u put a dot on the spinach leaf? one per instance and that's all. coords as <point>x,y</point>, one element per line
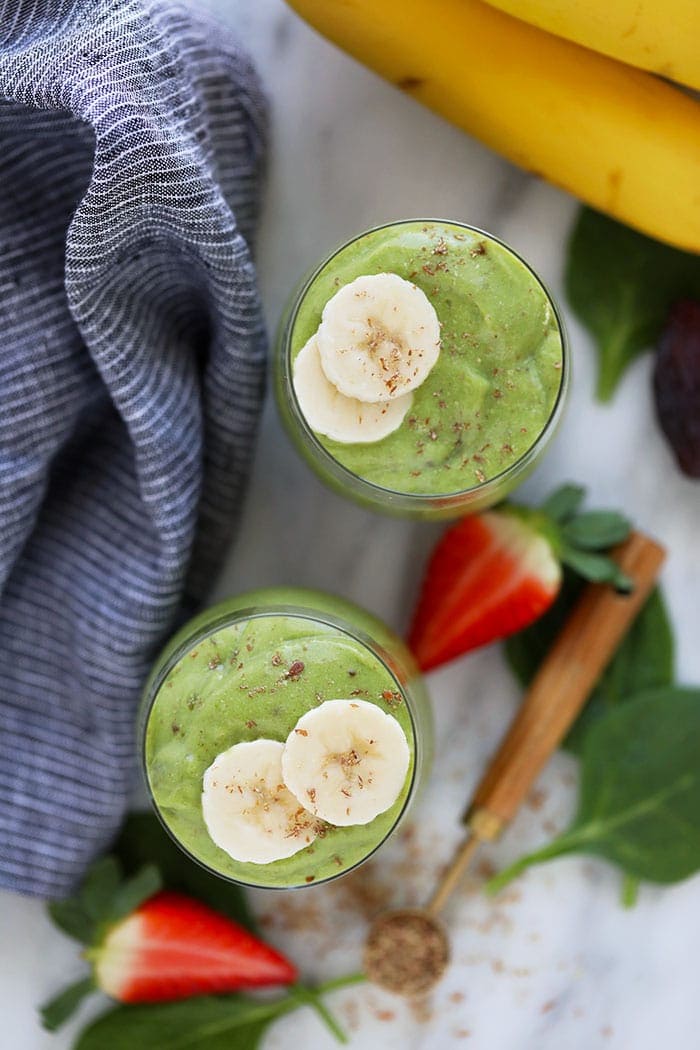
<point>621,285</point>
<point>644,659</point>
<point>232,1022</point>
<point>207,1023</point>
<point>639,803</point>
<point>306,996</point>
<point>630,891</point>
<point>144,840</point>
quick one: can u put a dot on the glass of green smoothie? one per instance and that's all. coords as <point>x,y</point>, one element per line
<point>284,734</point>
<point>422,368</point>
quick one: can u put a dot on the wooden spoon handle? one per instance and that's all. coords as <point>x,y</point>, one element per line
<point>563,683</point>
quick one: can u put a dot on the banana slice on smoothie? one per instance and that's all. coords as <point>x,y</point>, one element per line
<point>336,416</point>
<point>379,338</point>
<point>346,761</point>
<point>248,811</point>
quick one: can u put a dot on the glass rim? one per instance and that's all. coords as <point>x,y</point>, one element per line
<point>424,498</point>
<point>251,612</point>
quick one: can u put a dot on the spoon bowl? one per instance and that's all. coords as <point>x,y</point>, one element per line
<point>407,951</point>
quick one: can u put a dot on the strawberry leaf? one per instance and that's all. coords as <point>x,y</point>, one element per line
<point>563,503</point>
<point>57,1011</point>
<point>143,840</point>
<point>133,892</point>
<point>101,884</point>
<point>103,899</point>
<point>70,916</point>
<point>595,567</point>
<point>596,530</point>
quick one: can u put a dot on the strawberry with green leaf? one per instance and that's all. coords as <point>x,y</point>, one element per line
<point>146,944</point>
<point>496,573</point>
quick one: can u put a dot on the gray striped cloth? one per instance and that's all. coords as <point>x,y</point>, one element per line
<point>131,372</point>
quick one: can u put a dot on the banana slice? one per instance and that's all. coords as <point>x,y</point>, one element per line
<point>379,337</point>
<point>346,761</point>
<point>341,418</point>
<point>247,809</point>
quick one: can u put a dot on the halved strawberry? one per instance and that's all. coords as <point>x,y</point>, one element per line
<point>174,947</point>
<point>488,577</point>
<point>496,573</point>
<point>152,945</point>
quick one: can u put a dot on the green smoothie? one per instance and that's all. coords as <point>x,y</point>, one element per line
<point>496,384</point>
<point>250,678</point>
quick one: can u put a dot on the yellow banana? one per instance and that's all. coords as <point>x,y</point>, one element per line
<point>661,37</point>
<point>622,140</point>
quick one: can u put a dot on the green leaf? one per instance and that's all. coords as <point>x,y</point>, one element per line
<point>134,892</point>
<point>563,502</point>
<point>206,1023</point>
<point>630,891</point>
<point>143,840</point>
<point>621,285</point>
<point>596,530</point>
<point>644,659</point>
<point>102,899</point>
<point>639,803</point>
<point>61,1007</point>
<point>99,887</point>
<point>232,1022</point>
<point>313,998</point>
<point>597,568</point>
<point>70,916</point>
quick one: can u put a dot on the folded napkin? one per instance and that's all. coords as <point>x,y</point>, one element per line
<point>131,370</point>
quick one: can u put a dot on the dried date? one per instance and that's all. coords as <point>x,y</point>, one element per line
<point>677,384</point>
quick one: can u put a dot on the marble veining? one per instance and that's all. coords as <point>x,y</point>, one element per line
<point>555,963</point>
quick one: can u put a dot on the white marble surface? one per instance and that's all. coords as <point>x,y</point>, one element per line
<point>555,964</point>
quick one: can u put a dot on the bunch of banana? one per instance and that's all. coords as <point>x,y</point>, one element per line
<point>619,138</point>
<point>643,33</point>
